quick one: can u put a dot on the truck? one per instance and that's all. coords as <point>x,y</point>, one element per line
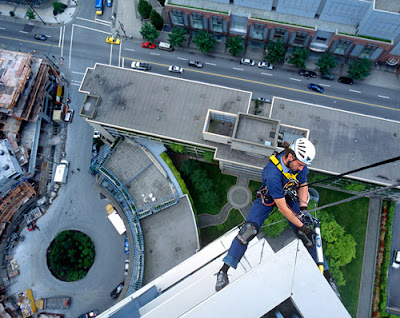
<point>115,219</point>
<point>99,7</point>
<point>60,302</point>
<point>61,172</point>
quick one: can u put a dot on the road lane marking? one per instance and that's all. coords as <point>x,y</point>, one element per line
<point>295,79</point>
<point>92,29</point>
<point>62,46</point>
<point>27,41</point>
<point>211,64</point>
<point>79,73</point>
<point>352,90</point>
<point>324,85</point>
<point>238,69</point>
<point>133,50</point>
<point>104,21</point>
<point>119,55</point>
<point>269,74</point>
<point>275,86</point>
<point>381,96</point>
<point>2,28</point>
<point>59,38</point>
<point>154,53</point>
<point>95,21</point>
<point>24,32</point>
<point>75,84</point>
<point>182,58</point>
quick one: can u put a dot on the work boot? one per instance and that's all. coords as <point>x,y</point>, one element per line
<point>332,283</point>
<point>222,280</point>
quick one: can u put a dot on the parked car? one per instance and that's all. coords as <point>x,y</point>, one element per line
<point>264,100</point>
<point>113,40</point>
<point>141,66</point>
<point>345,80</point>
<point>247,61</point>
<point>307,73</point>
<point>117,290</point>
<point>148,45</point>
<point>69,115</point>
<point>175,69</point>
<point>126,246</point>
<point>109,3</point>
<point>126,267</point>
<point>328,76</point>
<point>40,37</point>
<point>266,65</point>
<point>316,88</point>
<point>396,259</point>
<point>195,64</point>
<point>90,314</point>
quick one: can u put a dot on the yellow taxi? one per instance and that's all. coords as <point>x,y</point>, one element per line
<point>113,40</point>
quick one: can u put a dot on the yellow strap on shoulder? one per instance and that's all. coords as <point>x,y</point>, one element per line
<point>277,163</point>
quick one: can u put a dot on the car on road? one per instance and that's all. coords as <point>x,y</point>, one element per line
<point>396,259</point>
<point>41,37</point>
<point>90,314</point>
<point>109,3</point>
<point>126,246</point>
<point>266,65</point>
<point>96,134</point>
<point>117,290</point>
<point>126,267</point>
<point>195,64</point>
<point>307,73</point>
<point>264,100</point>
<point>345,80</point>
<point>113,40</point>
<point>316,88</point>
<point>247,61</point>
<point>148,45</point>
<point>69,115</point>
<point>175,69</point>
<point>328,76</point>
<point>141,66</point>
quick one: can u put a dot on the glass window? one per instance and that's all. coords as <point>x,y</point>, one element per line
<point>177,17</point>
<point>368,51</point>
<point>258,31</point>
<point>197,21</point>
<point>342,47</point>
<point>300,38</point>
<point>217,24</point>
<point>279,34</point>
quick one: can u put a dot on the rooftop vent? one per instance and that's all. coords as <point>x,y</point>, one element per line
<point>6,167</point>
<point>1,152</point>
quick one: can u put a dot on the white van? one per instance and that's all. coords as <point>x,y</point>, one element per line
<point>165,46</point>
<point>61,174</point>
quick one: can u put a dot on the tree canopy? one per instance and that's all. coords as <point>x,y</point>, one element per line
<point>149,32</point>
<point>204,41</point>
<point>299,57</point>
<point>144,9</point>
<point>235,45</point>
<point>326,62</point>
<point>156,20</point>
<point>360,69</point>
<point>177,36</point>
<point>276,52</point>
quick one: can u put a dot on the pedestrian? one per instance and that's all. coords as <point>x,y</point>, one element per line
<point>78,169</point>
<point>284,186</point>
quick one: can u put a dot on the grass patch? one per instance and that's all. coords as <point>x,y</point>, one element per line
<point>352,216</point>
<point>197,8</point>
<point>367,37</point>
<point>210,233</point>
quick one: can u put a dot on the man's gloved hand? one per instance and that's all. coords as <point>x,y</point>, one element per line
<point>306,235</point>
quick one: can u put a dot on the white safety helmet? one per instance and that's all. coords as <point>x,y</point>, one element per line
<point>304,150</point>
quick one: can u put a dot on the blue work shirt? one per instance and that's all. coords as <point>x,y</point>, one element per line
<point>274,179</point>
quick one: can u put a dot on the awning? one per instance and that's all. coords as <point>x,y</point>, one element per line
<point>392,61</point>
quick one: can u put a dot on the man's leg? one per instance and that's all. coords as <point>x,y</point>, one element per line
<point>257,215</point>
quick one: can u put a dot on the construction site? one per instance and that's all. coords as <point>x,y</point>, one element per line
<point>31,134</point>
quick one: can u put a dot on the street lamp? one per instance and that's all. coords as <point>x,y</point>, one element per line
<point>35,11</point>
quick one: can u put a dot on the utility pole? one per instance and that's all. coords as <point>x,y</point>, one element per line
<point>36,13</point>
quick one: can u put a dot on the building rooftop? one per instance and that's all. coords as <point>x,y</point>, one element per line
<point>188,290</point>
<point>388,5</point>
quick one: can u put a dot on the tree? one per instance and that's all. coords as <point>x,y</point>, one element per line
<point>58,7</point>
<point>204,41</point>
<point>178,148</point>
<point>156,19</point>
<point>208,156</point>
<point>360,69</point>
<point>299,57</point>
<point>276,52</point>
<point>235,45</point>
<point>30,14</point>
<point>144,9</point>
<point>149,32</point>
<point>326,62</point>
<point>177,37</point>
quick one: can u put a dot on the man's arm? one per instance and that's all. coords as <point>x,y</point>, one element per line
<point>302,192</point>
<point>288,213</point>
